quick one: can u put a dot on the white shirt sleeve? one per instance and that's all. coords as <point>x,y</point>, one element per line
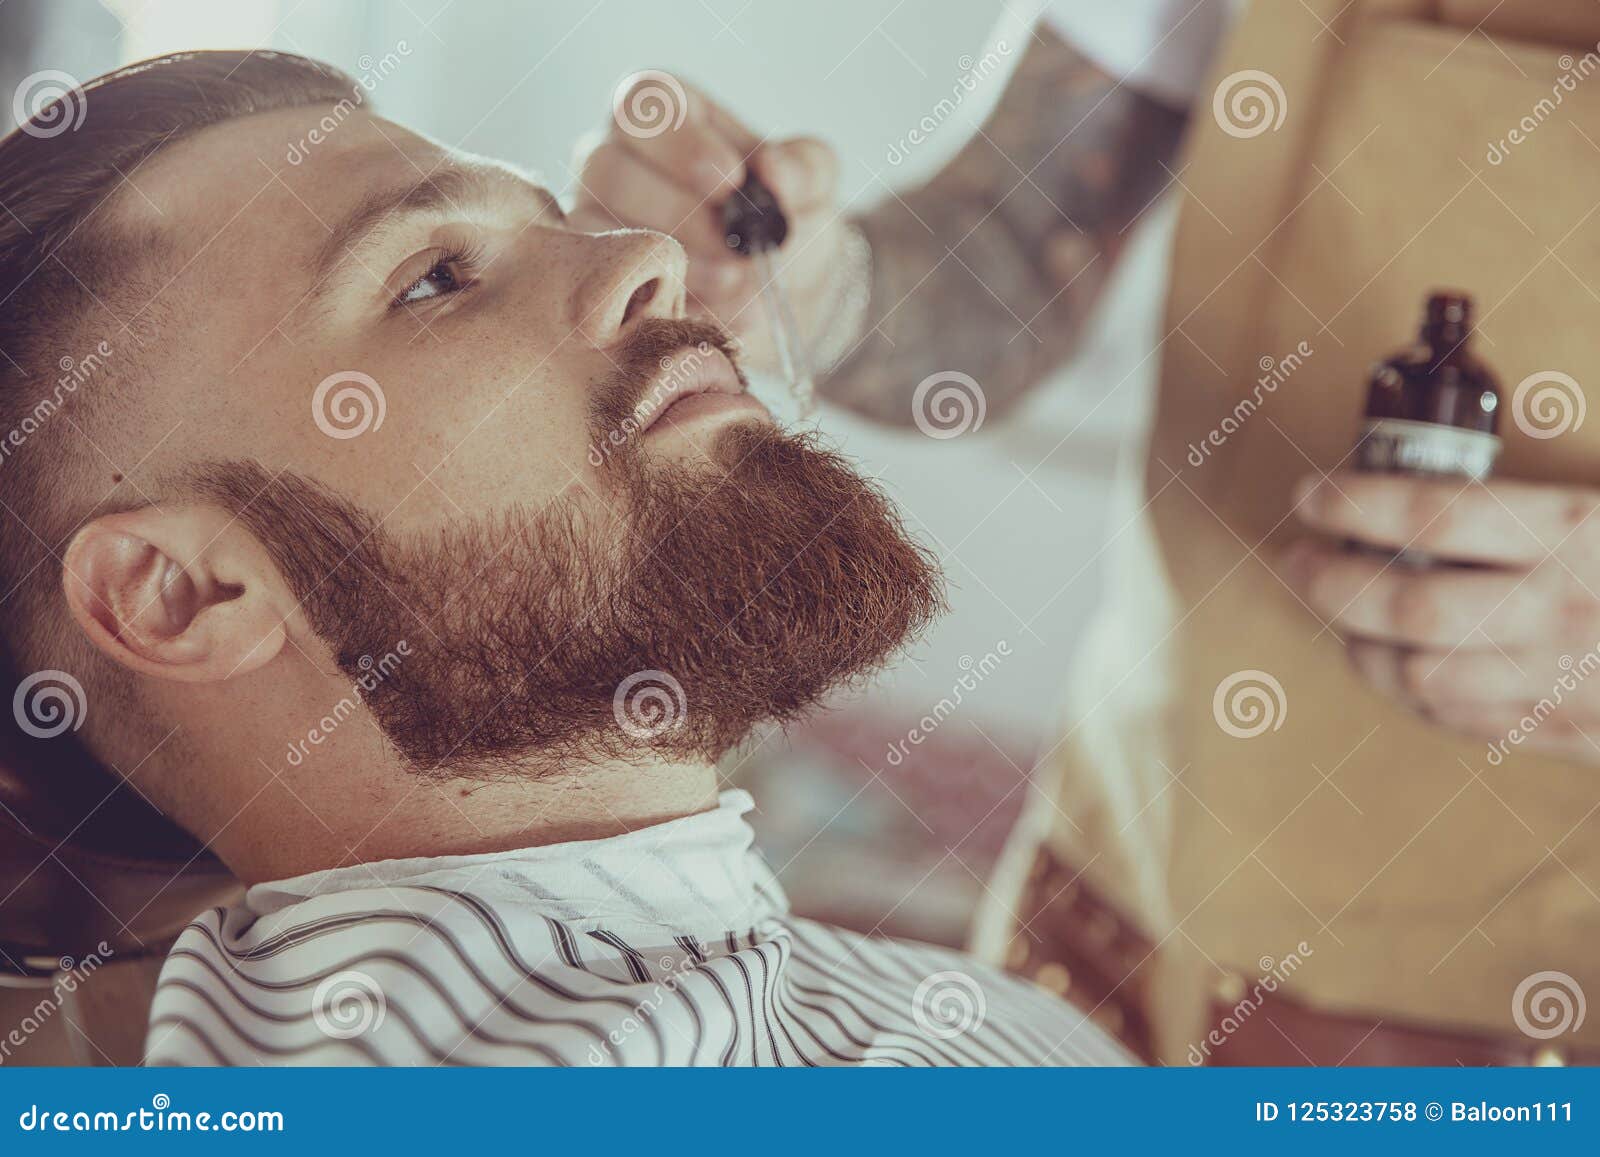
<point>1160,47</point>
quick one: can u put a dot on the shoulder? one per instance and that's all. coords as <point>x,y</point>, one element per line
<point>386,976</point>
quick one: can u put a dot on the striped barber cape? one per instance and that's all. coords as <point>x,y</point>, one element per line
<point>669,945</point>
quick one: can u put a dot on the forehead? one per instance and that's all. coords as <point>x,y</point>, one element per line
<point>267,169</point>
<point>248,208</point>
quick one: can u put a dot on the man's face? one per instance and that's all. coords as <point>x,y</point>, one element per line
<point>487,326</point>
<point>455,420</point>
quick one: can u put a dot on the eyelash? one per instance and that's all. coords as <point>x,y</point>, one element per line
<point>459,261</point>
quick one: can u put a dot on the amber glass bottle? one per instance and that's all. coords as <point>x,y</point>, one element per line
<point>1433,409</point>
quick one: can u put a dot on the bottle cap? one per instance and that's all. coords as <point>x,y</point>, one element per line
<point>751,218</point>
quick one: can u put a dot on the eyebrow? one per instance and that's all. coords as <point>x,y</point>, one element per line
<point>443,189</point>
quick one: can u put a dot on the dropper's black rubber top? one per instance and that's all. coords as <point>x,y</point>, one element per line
<point>751,219</point>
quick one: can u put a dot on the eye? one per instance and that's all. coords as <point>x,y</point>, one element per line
<point>450,272</point>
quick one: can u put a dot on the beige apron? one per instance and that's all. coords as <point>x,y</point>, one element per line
<point>1426,883</point>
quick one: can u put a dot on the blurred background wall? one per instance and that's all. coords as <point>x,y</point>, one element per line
<point>1016,509</point>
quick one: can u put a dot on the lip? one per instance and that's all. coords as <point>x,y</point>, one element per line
<point>692,382</point>
<point>708,405</point>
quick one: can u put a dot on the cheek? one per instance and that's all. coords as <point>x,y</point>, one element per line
<point>480,409</point>
<point>498,423</point>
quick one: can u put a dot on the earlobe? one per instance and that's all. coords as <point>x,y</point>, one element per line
<point>179,593</point>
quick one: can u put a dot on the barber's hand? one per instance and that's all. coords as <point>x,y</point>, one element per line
<point>1473,648</point>
<point>646,173</point>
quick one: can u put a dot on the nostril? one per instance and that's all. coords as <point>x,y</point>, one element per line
<point>641,298</point>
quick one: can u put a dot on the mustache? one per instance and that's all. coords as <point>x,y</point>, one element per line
<point>640,360</point>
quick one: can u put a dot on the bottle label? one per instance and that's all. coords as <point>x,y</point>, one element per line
<point>1396,445</point>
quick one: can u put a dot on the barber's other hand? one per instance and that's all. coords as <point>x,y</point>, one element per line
<point>1476,648</point>
<point>669,159</point>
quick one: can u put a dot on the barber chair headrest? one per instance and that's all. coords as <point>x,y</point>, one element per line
<point>85,859</point>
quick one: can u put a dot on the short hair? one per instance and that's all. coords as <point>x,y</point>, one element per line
<point>61,262</point>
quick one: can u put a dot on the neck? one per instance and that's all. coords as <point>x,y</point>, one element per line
<point>441,817</point>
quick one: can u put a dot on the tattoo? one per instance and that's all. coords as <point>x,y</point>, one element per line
<point>991,267</point>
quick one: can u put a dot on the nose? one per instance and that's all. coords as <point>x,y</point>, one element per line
<point>633,274</point>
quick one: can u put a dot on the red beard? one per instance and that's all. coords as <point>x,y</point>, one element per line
<point>729,596</point>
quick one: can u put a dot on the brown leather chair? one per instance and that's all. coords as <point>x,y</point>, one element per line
<point>90,871</point>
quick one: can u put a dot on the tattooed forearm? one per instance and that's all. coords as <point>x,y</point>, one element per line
<point>991,266</point>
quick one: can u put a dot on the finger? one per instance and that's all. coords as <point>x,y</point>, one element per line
<point>803,173</point>
<point>1490,676</point>
<point>1383,666</point>
<point>721,283</point>
<point>731,127</point>
<point>1407,674</point>
<point>1510,726</point>
<point>1508,523</point>
<point>630,191</point>
<point>677,132</point>
<point>1378,598</point>
<point>587,215</point>
<point>1435,680</point>
<point>1568,739</point>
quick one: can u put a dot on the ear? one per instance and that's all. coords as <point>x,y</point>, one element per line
<point>183,593</point>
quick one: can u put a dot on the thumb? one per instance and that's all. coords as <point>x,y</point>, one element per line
<point>802,172</point>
